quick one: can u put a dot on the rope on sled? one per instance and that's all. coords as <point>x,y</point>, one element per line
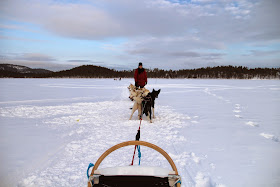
<point>178,181</point>
<point>138,135</point>
<point>139,154</point>
<point>137,138</point>
<point>89,166</point>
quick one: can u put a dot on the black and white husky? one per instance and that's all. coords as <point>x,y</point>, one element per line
<point>148,104</point>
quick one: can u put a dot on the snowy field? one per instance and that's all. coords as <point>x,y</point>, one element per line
<point>218,132</point>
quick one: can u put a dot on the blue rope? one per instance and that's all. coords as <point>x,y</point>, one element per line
<point>139,153</point>
<point>89,166</point>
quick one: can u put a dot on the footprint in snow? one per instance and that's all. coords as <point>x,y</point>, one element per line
<point>237,111</point>
<point>269,136</point>
<point>195,158</point>
<point>194,122</point>
<point>251,123</point>
<point>237,106</point>
<point>203,180</point>
<point>238,116</point>
<point>213,166</point>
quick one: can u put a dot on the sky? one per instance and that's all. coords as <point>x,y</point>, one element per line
<point>118,34</point>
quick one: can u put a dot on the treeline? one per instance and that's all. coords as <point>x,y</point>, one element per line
<point>90,71</point>
<point>219,72</point>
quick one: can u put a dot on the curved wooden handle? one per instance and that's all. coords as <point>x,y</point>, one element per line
<point>124,144</point>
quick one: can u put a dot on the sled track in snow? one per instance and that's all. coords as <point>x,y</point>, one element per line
<point>91,128</point>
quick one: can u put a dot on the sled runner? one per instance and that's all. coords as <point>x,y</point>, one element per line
<point>137,176</point>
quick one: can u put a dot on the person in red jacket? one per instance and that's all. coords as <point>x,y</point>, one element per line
<point>140,76</point>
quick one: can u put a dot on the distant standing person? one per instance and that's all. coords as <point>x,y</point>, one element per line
<point>140,76</point>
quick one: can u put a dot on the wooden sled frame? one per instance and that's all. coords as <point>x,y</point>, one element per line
<point>128,143</point>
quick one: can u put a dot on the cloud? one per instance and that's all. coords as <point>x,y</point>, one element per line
<point>35,57</point>
<point>27,57</point>
<point>178,54</point>
<point>68,20</point>
<point>18,27</point>
<point>263,53</point>
<point>21,39</point>
<point>192,54</point>
<point>219,20</point>
<point>39,64</point>
<point>118,18</point>
<point>81,62</point>
<point>175,49</point>
<point>158,31</point>
<point>33,60</point>
<point>84,61</point>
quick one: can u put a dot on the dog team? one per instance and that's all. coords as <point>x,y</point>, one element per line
<point>144,100</point>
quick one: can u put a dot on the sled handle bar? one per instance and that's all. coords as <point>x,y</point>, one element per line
<point>128,143</point>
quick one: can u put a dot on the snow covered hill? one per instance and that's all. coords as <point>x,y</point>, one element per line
<point>21,69</point>
<point>218,132</point>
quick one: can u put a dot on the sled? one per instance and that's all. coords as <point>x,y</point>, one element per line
<point>137,176</point>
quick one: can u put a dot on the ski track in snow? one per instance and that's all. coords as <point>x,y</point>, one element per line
<point>208,91</point>
<point>92,128</point>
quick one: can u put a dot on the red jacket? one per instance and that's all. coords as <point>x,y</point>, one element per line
<point>140,77</point>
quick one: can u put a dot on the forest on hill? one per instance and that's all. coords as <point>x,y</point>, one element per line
<point>91,71</point>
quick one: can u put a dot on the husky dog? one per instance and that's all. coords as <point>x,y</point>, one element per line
<point>134,92</point>
<point>148,104</point>
<point>137,104</point>
<point>137,96</point>
<point>131,87</point>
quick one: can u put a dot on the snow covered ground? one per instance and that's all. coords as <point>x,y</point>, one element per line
<point>218,132</point>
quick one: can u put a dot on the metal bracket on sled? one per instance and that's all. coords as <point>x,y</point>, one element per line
<point>94,179</point>
<point>174,179</point>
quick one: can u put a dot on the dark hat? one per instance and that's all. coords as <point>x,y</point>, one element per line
<point>140,64</point>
